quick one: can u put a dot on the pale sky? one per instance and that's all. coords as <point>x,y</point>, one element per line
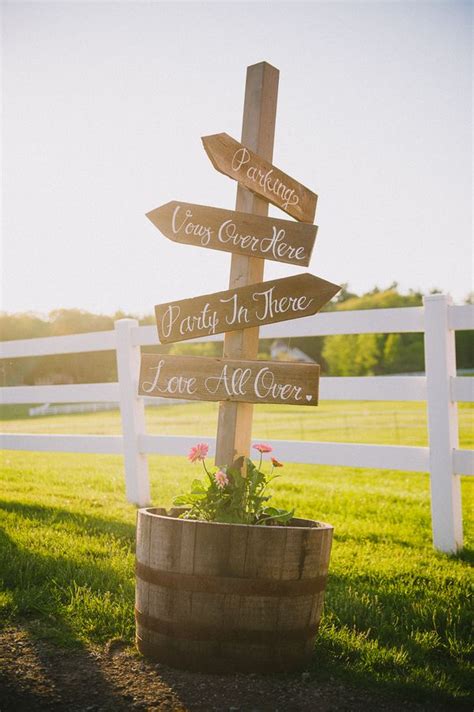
<point>104,105</point>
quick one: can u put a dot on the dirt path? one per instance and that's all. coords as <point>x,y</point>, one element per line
<point>36,676</point>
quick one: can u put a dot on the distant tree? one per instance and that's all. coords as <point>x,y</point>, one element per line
<point>403,353</point>
<point>77,321</point>
<point>352,355</point>
<point>20,326</point>
<point>147,320</point>
<point>343,295</point>
<point>373,354</point>
<point>392,352</point>
<point>383,299</point>
<point>25,325</point>
<point>344,355</point>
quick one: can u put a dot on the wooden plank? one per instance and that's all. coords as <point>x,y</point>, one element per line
<point>264,625</point>
<point>250,169</point>
<point>367,321</point>
<point>237,232</point>
<point>244,307</point>
<point>234,424</point>
<point>216,379</point>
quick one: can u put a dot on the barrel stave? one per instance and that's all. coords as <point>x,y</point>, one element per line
<point>209,602</point>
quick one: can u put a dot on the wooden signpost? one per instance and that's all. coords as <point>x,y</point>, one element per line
<point>216,379</point>
<point>230,231</point>
<point>255,305</point>
<point>238,380</point>
<point>258,175</point>
<point>244,636</point>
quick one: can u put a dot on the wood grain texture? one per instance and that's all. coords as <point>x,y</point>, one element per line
<point>224,597</point>
<point>251,170</point>
<point>236,232</point>
<point>242,308</point>
<point>216,379</point>
<point>234,424</point>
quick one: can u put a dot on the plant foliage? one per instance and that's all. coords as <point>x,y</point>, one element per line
<point>234,495</point>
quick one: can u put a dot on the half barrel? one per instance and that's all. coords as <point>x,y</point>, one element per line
<point>229,597</point>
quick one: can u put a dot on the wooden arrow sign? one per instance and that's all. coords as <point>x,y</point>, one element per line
<point>243,233</point>
<point>216,379</point>
<point>244,307</point>
<point>258,175</point>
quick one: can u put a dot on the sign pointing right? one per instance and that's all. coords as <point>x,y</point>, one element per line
<point>243,308</point>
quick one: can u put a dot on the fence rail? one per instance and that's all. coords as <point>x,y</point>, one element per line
<point>438,319</point>
<point>70,393</point>
<point>49,345</point>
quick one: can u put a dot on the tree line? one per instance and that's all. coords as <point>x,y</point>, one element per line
<point>341,355</point>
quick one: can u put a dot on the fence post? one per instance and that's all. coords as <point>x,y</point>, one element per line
<point>440,365</point>
<point>132,410</point>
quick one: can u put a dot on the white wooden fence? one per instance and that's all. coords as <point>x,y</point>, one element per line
<point>440,388</point>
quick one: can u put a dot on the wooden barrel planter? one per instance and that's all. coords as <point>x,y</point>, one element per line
<point>229,597</point>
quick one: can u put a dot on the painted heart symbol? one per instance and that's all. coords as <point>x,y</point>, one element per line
<point>309,398</point>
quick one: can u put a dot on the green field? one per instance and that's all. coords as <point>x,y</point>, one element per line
<point>393,423</point>
<point>396,615</point>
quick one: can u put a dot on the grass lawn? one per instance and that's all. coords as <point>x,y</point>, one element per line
<point>391,423</point>
<point>396,615</point>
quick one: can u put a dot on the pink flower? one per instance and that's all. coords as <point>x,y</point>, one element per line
<point>221,479</point>
<point>198,452</point>
<point>261,447</point>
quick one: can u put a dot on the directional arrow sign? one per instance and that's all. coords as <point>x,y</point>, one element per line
<point>243,165</point>
<point>244,307</point>
<point>244,233</point>
<point>216,379</point>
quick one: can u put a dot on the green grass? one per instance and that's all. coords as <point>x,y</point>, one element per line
<point>397,423</point>
<point>396,614</point>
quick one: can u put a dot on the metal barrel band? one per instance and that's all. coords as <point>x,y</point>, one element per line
<point>229,584</point>
<point>189,630</point>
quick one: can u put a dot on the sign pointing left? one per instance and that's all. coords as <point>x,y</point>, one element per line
<point>242,233</point>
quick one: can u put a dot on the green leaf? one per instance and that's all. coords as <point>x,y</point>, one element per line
<point>229,517</point>
<point>272,515</point>
<point>197,487</point>
<point>190,498</point>
<point>181,499</point>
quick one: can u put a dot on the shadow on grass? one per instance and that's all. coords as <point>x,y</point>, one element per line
<point>373,538</point>
<point>83,523</point>
<point>466,554</point>
<point>41,586</point>
<point>33,583</point>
